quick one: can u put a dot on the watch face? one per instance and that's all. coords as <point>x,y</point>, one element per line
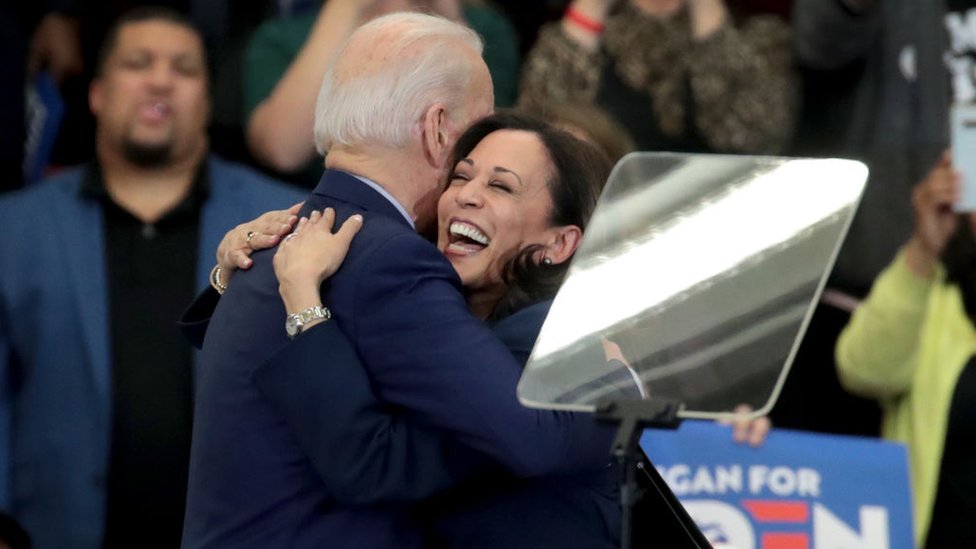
<point>292,326</point>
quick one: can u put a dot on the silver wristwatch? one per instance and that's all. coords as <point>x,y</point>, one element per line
<point>296,321</point>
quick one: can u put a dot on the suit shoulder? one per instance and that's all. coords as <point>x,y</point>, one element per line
<point>63,185</point>
<point>400,260</point>
<point>391,240</point>
<point>386,254</point>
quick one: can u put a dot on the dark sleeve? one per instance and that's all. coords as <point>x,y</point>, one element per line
<point>829,35</point>
<point>269,53</point>
<point>365,452</point>
<point>427,354</point>
<point>519,331</point>
<point>195,320</point>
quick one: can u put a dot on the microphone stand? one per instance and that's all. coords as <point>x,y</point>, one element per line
<point>673,527</point>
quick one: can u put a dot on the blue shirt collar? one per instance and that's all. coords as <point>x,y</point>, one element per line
<point>376,186</point>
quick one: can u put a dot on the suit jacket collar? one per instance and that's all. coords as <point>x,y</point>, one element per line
<point>346,187</point>
<point>76,214</point>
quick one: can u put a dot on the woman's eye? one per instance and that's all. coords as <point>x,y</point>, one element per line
<point>504,187</point>
<point>458,178</point>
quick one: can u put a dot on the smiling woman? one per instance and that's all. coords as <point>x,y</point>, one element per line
<point>515,208</point>
<point>496,205</point>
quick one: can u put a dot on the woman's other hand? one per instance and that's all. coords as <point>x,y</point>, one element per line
<point>935,220</point>
<point>310,255</point>
<point>234,251</point>
<point>749,431</point>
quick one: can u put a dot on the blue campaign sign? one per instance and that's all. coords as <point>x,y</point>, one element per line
<point>798,491</point>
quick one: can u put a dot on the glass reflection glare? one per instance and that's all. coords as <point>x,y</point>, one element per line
<point>703,268</point>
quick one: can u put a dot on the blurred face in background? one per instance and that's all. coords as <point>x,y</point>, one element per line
<point>150,99</point>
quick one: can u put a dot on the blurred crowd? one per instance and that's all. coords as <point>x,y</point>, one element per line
<point>872,80</point>
<point>659,74</point>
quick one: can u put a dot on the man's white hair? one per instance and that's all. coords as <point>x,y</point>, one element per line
<point>382,105</point>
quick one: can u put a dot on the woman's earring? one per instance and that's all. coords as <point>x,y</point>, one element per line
<point>546,261</point>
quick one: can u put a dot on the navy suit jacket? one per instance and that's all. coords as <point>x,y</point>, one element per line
<point>272,465</point>
<point>55,369</point>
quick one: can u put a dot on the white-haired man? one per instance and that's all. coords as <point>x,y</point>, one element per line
<point>276,463</point>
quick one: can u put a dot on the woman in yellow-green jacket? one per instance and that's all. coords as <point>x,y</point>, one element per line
<point>910,345</point>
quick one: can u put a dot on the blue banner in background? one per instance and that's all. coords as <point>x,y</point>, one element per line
<point>797,491</point>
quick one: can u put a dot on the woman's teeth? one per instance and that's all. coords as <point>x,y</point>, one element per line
<point>469,232</point>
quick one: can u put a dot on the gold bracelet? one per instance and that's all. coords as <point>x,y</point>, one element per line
<point>215,280</point>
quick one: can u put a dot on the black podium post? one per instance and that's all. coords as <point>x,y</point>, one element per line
<point>665,523</point>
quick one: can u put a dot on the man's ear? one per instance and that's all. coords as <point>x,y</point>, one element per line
<point>434,135</point>
<point>563,244</point>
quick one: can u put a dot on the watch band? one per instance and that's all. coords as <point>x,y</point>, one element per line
<point>295,322</point>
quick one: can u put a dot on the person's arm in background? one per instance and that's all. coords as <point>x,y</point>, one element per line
<point>743,86</point>
<point>564,65</point>
<point>501,52</point>
<point>281,88</point>
<point>829,34</point>
<point>279,128</point>
<point>877,351</point>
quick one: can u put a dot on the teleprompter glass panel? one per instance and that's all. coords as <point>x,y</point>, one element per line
<point>694,282</point>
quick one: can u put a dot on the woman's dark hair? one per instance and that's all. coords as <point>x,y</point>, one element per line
<point>597,125</point>
<point>959,259</point>
<point>579,172</point>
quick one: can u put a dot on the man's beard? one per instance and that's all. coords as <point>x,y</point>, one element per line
<point>144,155</point>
